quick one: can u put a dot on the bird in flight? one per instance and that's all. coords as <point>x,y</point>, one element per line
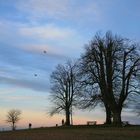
<point>45,51</point>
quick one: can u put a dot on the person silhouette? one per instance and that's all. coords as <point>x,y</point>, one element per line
<point>30,125</point>
<point>62,122</point>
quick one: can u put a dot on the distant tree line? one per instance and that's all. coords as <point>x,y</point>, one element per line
<point>106,74</point>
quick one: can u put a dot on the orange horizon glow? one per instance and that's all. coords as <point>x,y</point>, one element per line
<point>40,119</point>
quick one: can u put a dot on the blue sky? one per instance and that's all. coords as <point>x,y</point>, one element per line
<point>61,27</point>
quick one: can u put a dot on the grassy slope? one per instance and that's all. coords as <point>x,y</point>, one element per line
<point>75,133</point>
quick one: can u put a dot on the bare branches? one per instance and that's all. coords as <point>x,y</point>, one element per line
<point>113,63</point>
<point>107,73</point>
<point>13,116</point>
<point>65,89</point>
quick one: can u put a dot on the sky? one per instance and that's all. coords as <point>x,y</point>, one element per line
<point>61,28</point>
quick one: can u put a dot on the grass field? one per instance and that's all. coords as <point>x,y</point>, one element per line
<point>75,133</point>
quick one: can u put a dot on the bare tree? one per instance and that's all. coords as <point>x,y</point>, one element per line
<point>111,64</point>
<point>13,116</point>
<point>64,89</point>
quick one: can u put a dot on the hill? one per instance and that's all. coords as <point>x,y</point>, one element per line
<point>74,133</point>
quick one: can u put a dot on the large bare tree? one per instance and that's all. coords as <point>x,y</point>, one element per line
<point>13,116</point>
<point>64,89</point>
<point>111,64</point>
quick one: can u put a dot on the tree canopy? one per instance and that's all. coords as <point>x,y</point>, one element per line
<point>64,89</point>
<point>111,64</point>
<point>13,116</point>
<point>108,73</point>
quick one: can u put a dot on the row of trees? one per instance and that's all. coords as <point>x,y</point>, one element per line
<point>107,73</point>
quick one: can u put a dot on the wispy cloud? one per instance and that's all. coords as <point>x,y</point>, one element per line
<point>41,8</point>
<point>36,38</point>
<point>56,40</point>
<point>49,31</point>
<point>34,85</point>
<point>60,9</point>
<point>6,91</point>
<point>20,98</point>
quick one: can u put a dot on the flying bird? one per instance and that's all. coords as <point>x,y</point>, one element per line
<point>45,51</point>
<point>35,75</point>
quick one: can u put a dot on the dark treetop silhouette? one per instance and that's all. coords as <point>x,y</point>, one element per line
<point>111,66</point>
<point>13,116</point>
<point>65,89</point>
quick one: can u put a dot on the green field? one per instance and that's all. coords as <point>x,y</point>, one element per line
<point>75,133</point>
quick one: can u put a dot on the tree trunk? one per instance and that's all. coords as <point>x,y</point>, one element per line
<point>117,117</point>
<point>108,115</point>
<point>13,126</point>
<point>67,117</point>
<point>71,117</point>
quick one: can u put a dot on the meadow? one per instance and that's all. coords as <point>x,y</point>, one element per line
<point>74,133</point>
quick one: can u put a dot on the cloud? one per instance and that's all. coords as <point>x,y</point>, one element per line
<point>41,8</point>
<point>39,37</point>
<point>133,119</point>
<point>18,66</point>
<point>60,42</point>
<point>31,84</point>
<point>4,91</point>
<point>49,31</point>
<point>74,10</point>
<point>22,98</point>
<point>47,51</point>
<point>57,40</point>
